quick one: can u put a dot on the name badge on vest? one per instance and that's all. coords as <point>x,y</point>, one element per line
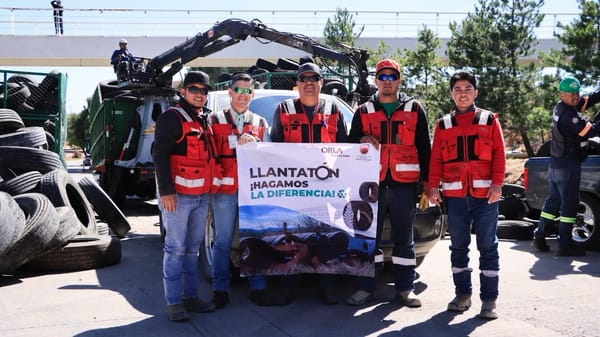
<point>232,140</point>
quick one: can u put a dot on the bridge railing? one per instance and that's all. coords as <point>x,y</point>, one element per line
<point>182,22</point>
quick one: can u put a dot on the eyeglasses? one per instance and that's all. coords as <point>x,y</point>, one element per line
<point>239,90</point>
<point>197,90</point>
<point>385,77</point>
<point>313,78</point>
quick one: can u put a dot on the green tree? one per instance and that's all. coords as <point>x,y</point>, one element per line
<point>341,30</point>
<point>580,54</point>
<point>491,41</point>
<point>78,128</point>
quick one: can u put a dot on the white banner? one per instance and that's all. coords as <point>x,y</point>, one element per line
<point>307,208</point>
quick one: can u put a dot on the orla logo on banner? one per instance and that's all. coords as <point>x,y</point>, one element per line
<point>307,208</point>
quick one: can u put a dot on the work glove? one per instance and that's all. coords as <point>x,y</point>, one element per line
<point>423,202</point>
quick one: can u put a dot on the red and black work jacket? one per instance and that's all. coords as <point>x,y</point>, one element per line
<point>223,125</point>
<point>298,129</point>
<point>195,171</point>
<point>467,154</point>
<point>398,152</point>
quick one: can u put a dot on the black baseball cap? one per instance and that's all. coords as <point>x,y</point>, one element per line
<point>199,77</point>
<point>308,67</point>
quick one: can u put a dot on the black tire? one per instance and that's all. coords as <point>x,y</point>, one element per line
<point>287,64</point>
<point>13,221</point>
<point>41,225</point>
<point>105,207</point>
<point>369,191</point>
<point>515,230</point>
<point>17,96</point>
<point>109,89</point>
<point>358,215</point>
<point>68,228</point>
<point>81,253</point>
<point>266,65</point>
<point>26,182</point>
<point>10,121</point>
<point>335,88</point>
<point>24,159</point>
<point>63,190</point>
<point>586,231</point>
<point>33,136</point>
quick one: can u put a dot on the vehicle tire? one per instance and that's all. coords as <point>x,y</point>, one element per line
<point>24,159</point>
<point>287,64</point>
<point>420,260</point>
<point>81,253</point>
<point>369,191</point>
<point>10,121</point>
<point>63,190</point>
<point>515,230</point>
<point>206,253</point>
<point>586,231</point>
<point>267,65</point>
<point>68,228</point>
<point>41,225</point>
<point>358,215</point>
<point>13,222</point>
<point>105,207</point>
<point>26,182</point>
<point>335,88</point>
<point>32,136</point>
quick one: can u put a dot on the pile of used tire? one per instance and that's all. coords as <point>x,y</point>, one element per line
<point>48,223</point>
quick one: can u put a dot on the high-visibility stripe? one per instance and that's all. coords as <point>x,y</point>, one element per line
<point>489,273</point>
<point>179,180</point>
<point>566,219</point>
<point>408,106</point>
<point>407,167</point>
<point>548,216</point>
<point>481,183</point>
<point>370,107</point>
<point>378,258</point>
<point>456,270</point>
<point>457,185</point>
<point>290,106</point>
<point>447,122</point>
<point>404,261</point>
<point>227,181</point>
<point>327,108</point>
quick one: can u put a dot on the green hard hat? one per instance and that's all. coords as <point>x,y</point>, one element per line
<point>569,84</point>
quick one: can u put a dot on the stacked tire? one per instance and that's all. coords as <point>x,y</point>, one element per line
<point>48,223</point>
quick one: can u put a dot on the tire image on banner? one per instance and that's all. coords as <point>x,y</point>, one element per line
<point>358,215</point>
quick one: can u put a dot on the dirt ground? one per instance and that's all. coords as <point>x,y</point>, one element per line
<point>514,171</point>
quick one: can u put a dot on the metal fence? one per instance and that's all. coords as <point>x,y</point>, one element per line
<point>182,22</point>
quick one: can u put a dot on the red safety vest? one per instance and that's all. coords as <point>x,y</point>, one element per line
<point>396,135</point>
<point>195,172</point>
<point>297,129</point>
<point>467,156</point>
<point>223,125</point>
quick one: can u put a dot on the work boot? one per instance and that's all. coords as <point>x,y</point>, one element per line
<point>460,303</point>
<point>197,305</point>
<point>488,310</point>
<point>220,298</point>
<point>403,297</point>
<point>571,251</point>
<point>177,313</point>
<point>540,245</point>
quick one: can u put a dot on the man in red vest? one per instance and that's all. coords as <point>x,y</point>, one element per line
<point>468,160</point>
<point>396,124</point>
<point>184,159</point>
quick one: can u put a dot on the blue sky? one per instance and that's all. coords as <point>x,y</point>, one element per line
<point>81,80</point>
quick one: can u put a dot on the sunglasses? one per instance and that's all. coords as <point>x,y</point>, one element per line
<point>313,78</point>
<point>385,77</point>
<point>197,90</point>
<point>240,91</point>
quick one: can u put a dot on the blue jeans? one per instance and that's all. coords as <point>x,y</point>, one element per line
<point>399,203</point>
<point>184,234</point>
<point>462,212</point>
<point>563,197</point>
<point>225,212</point>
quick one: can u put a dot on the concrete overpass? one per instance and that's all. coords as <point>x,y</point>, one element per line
<point>95,51</point>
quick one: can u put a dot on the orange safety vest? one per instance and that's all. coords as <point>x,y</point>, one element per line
<point>397,138</point>
<point>467,156</point>
<point>223,125</point>
<point>297,129</point>
<point>195,172</point>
